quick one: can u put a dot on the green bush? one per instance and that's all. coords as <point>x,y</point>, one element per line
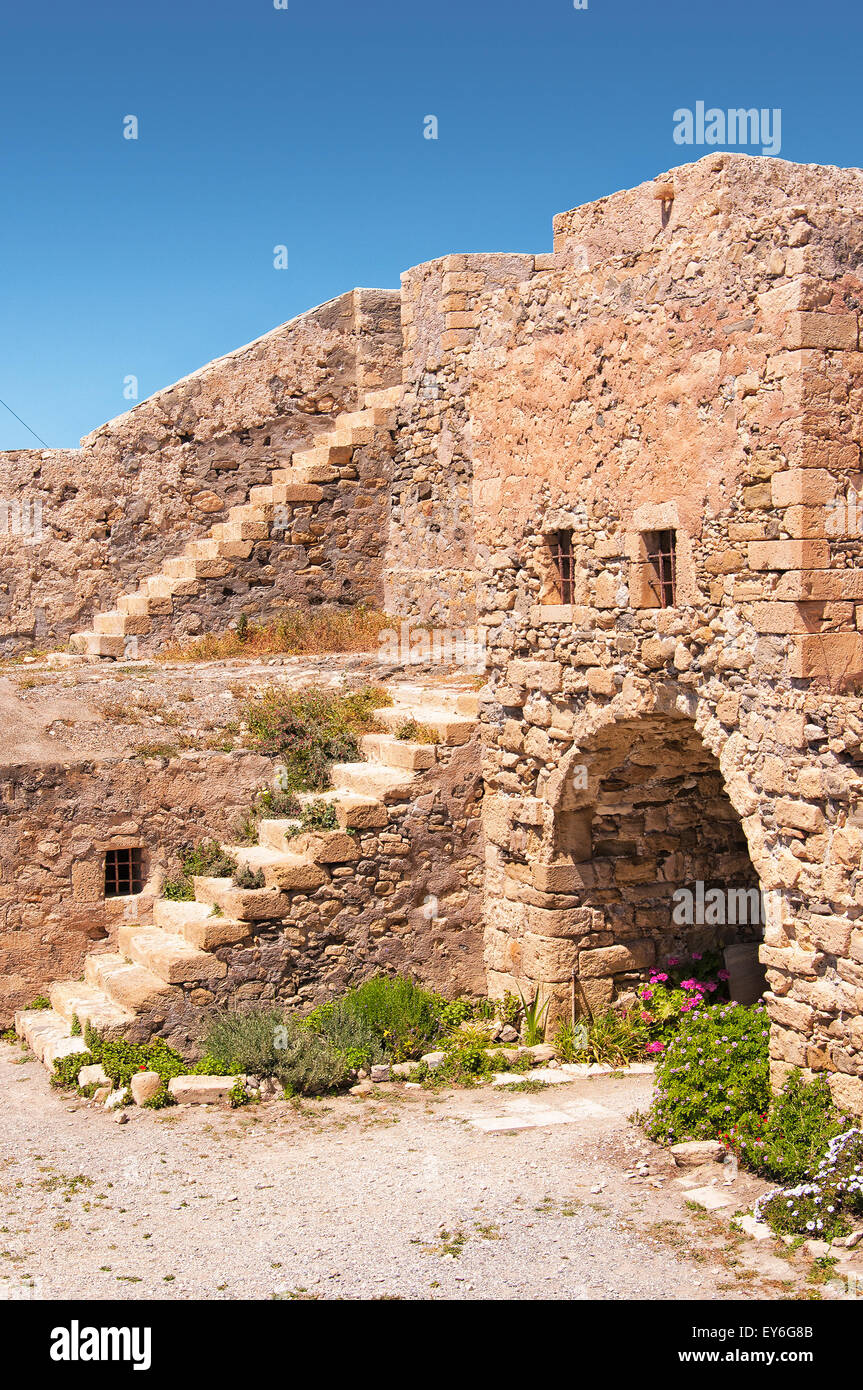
<point>789,1141</point>
<point>269,804</point>
<point>316,815</point>
<point>713,1074</point>
<point>309,730</point>
<point>247,877</point>
<point>830,1202</point>
<point>267,1042</point>
<point>614,1038</point>
<point>205,860</point>
<point>398,1018</point>
<point>120,1061</point>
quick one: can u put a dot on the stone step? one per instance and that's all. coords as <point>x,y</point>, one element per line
<point>47,1034</point>
<point>292,485</point>
<point>267,904</point>
<point>396,752</point>
<point>233,531</point>
<point>386,784</point>
<point>354,436</point>
<point>326,456</point>
<point>283,869</point>
<point>450,729</point>
<point>138,603</point>
<point>89,1004</point>
<point>181,567</point>
<point>97,644</point>
<point>131,986</point>
<point>383,397</point>
<point>375,416</point>
<point>271,833</point>
<point>450,698</point>
<point>356,812</point>
<point>251,513</point>
<point>119,624</point>
<point>196,924</point>
<point>168,956</point>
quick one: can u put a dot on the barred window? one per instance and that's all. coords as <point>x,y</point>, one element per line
<point>660,554</point>
<point>563,559</point>
<point>123,872</point>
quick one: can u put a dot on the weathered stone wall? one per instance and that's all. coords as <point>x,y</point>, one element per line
<point>409,901</point>
<point>690,364</point>
<point>142,485</point>
<point>56,821</point>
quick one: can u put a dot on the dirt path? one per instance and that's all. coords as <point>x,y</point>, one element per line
<point>407,1194</point>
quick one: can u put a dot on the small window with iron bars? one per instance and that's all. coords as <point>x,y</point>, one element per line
<point>661,558</point>
<point>563,559</point>
<point>123,872</point>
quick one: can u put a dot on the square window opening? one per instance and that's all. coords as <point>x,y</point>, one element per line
<point>563,559</point>
<point>124,872</point>
<point>660,551</point>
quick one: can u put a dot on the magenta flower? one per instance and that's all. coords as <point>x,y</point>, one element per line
<point>647,994</point>
<point>655,1047</point>
<point>658,979</point>
<point>696,955</point>
<point>672,960</point>
<point>723,975</point>
<point>689,984</point>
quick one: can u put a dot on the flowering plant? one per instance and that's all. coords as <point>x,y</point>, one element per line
<point>828,1204</point>
<point>714,1074</point>
<point>676,990</point>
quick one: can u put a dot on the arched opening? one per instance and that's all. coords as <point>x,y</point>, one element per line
<point>661,857</point>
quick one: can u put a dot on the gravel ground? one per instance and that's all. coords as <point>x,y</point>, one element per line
<point>400,1195</point>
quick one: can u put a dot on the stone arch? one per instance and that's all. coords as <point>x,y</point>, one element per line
<point>637,810</point>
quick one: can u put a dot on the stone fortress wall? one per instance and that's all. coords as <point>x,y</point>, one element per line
<point>686,362</point>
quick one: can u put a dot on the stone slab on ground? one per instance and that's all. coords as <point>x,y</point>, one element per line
<point>710,1198</point>
<point>200,1090</point>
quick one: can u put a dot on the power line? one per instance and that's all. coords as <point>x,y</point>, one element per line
<point>26,426</point>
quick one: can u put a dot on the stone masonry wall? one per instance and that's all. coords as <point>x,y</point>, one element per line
<point>142,485</point>
<point>56,821</point>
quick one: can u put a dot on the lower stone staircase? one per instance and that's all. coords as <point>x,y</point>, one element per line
<point>124,990</point>
<point>213,557</point>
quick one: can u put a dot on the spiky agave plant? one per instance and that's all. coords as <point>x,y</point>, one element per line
<point>534,1015</point>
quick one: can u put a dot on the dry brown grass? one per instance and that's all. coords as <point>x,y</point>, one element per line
<point>298,632</point>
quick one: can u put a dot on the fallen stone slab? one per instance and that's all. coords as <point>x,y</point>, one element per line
<point>549,1076</point>
<point>816,1248</point>
<point>381,1071</point>
<point>758,1230</point>
<point>404,1068</point>
<point>506,1078</point>
<point>200,1090</point>
<point>541,1052</point>
<point>433,1060</point>
<point>709,1198</point>
<point>850,1241</point>
<point>117,1098</point>
<point>693,1152</point>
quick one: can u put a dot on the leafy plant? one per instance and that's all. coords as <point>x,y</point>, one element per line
<point>268,1042</point>
<point>412,732</point>
<point>318,814</point>
<point>397,1018</point>
<point>533,1015</point>
<point>309,730</point>
<point>205,860</point>
<point>613,1038</point>
<point>827,1204</point>
<point>712,1075</point>
<point>247,877</point>
<point>269,804</point>
<point>788,1142</point>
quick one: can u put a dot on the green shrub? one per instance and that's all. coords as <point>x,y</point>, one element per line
<point>205,860</point>
<point>399,1019</point>
<point>40,1002</point>
<point>316,815</point>
<point>613,1038</point>
<point>247,877</point>
<point>533,1014</point>
<point>713,1074</point>
<point>269,804</point>
<point>789,1141</point>
<point>827,1204</point>
<point>267,1042</point>
<point>309,730</point>
<point>120,1061</point>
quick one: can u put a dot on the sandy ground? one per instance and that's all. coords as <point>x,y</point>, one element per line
<point>400,1195</point>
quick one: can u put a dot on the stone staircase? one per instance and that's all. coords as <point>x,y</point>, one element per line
<point>213,557</point>
<point>126,991</point>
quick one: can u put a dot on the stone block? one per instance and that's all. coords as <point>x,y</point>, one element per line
<point>614,960</point>
<point>200,1090</point>
<point>145,1085</point>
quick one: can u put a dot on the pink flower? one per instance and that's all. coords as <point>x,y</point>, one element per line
<point>646,1018</point>
<point>647,994</point>
<point>723,975</point>
<point>657,979</point>
<point>689,984</point>
<point>696,955</point>
<point>672,960</point>
<point>655,1047</point>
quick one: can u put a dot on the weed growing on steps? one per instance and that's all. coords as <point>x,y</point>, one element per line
<point>205,860</point>
<point>315,815</point>
<point>269,804</point>
<point>412,732</point>
<point>309,730</point>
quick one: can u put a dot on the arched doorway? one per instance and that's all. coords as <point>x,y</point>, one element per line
<point>659,861</point>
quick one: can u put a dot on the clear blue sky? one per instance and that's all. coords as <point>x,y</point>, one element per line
<point>304,127</point>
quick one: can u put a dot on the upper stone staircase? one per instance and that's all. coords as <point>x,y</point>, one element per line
<point>123,990</point>
<point>213,557</point>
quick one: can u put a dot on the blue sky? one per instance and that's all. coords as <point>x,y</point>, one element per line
<point>304,127</point>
